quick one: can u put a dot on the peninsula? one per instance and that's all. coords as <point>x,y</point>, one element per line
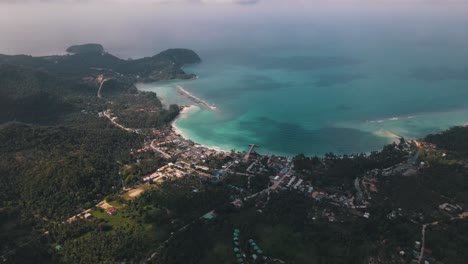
<point>91,60</point>
<point>49,82</point>
<point>92,172</point>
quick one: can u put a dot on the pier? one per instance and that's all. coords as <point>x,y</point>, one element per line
<point>252,147</point>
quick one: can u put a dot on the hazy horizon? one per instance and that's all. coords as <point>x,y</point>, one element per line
<point>145,27</point>
<point>311,131</point>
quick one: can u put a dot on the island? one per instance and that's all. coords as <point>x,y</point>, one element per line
<point>92,171</point>
<point>91,60</point>
<point>86,48</point>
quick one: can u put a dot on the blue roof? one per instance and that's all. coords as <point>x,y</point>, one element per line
<point>209,216</point>
<point>218,173</point>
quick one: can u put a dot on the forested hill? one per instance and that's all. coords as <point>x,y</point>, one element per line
<point>43,89</point>
<point>36,97</point>
<point>91,59</point>
<point>86,48</point>
<point>56,152</point>
<point>57,155</point>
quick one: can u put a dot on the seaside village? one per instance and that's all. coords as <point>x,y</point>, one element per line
<point>335,204</point>
<point>195,159</point>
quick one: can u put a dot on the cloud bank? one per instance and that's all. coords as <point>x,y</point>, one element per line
<point>246,2</point>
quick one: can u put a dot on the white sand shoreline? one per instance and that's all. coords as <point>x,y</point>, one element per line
<point>195,99</point>
<point>183,114</point>
<point>380,129</point>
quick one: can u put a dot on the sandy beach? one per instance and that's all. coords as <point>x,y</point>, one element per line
<point>195,99</point>
<point>186,110</point>
<point>183,113</point>
<point>388,134</point>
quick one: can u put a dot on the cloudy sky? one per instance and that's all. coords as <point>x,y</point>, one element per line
<point>138,27</point>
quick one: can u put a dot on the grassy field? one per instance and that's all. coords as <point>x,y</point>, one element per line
<point>116,220</point>
<point>132,194</point>
<point>116,204</point>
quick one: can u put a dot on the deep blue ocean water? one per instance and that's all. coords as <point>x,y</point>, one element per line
<point>343,95</point>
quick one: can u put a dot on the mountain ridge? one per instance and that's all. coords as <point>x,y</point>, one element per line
<point>92,60</point>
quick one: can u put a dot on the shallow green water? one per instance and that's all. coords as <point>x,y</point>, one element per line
<point>329,97</point>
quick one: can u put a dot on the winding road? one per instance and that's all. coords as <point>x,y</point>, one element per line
<point>100,87</point>
<point>423,232</point>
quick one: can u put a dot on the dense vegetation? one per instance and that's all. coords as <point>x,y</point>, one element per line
<point>54,170</point>
<point>334,170</point>
<point>142,225</point>
<point>448,241</point>
<point>86,48</point>
<point>143,110</point>
<point>34,97</point>
<point>91,60</point>
<point>290,226</point>
<point>454,140</point>
<point>57,157</point>
<point>447,172</point>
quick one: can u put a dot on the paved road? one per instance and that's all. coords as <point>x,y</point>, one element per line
<point>278,182</point>
<point>423,232</point>
<point>163,244</point>
<point>100,87</point>
<point>423,241</point>
<point>155,148</point>
<point>108,115</point>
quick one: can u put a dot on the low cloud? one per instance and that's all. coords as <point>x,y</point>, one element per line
<point>239,2</point>
<point>134,28</point>
<point>244,2</point>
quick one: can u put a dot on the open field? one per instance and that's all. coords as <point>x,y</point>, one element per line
<point>132,194</point>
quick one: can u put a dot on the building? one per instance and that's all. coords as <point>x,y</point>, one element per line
<point>450,207</point>
<point>111,211</point>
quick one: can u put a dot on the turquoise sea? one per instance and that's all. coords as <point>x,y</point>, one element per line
<point>344,94</point>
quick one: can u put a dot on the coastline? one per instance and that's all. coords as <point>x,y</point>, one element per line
<point>384,133</point>
<point>195,99</point>
<point>374,126</point>
<point>389,134</point>
<point>186,110</point>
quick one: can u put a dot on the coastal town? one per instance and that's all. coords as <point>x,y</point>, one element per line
<point>334,203</point>
<point>234,132</point>
<point>331,192</point>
